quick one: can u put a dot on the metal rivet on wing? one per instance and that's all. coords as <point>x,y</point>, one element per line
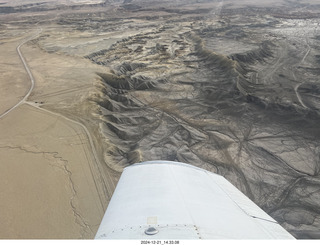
<point>151,231</point>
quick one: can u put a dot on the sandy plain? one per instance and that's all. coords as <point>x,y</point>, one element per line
<point>50,183</point>
<point>47,186</point>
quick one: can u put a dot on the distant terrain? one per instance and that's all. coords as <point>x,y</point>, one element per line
<point>229,86</point>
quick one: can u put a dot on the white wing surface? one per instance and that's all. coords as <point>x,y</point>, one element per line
<point>171,200</point>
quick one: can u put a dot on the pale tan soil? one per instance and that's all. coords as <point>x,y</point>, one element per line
<point>47,188</point>
<point>50,184</point>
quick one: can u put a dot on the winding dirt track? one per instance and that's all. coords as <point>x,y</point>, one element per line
<point>27,70</point>
<point>105,186</point>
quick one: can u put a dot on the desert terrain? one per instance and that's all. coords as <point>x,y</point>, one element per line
<point>90,87</point>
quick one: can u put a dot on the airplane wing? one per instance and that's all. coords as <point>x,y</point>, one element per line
<point>172,200</point>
